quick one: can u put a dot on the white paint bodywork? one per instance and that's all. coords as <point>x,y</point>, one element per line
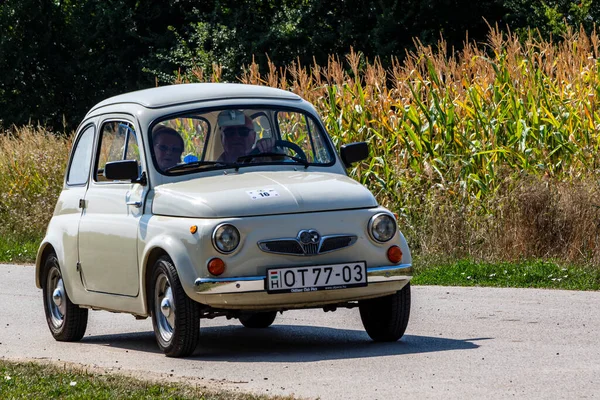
<point>299,191</point>
<point>106,248</point>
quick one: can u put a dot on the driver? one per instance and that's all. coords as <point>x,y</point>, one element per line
<point>238,136</point>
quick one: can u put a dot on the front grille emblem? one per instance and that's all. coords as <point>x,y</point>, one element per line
<point>309,236</point>
<point>310,241</point>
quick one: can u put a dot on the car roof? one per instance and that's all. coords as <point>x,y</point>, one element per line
<point>165,96</point>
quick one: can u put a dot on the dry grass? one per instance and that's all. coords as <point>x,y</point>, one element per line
<point>32,166</point>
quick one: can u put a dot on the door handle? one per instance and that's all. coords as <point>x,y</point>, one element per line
<point>136,204</point>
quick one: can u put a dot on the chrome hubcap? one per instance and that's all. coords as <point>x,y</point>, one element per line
<point>57,297</point>
<point>57,304</point>
<point>164,307</point>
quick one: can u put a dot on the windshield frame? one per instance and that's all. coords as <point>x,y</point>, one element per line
<point>258,108</point>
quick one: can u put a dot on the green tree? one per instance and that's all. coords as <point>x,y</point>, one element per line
<point>233,33</point>
<point>552,17</point>
<point>58,58</point>
<point>32,55</point>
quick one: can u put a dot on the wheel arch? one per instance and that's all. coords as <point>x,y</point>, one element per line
<point>177,252</point>
<point>46,248</point>
<point>153,255</point>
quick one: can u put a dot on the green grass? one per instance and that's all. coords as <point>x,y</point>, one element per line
<point>20,380</point>
<point>15,251</point>
<point>523,274</point>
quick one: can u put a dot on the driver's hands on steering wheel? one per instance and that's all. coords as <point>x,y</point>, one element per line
<point>259,153</point>
<point>265,145</point>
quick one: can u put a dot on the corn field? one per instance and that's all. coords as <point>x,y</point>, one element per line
<point>488,153</point>
<point>32,166</point>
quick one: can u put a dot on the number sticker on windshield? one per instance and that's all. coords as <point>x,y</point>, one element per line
<point>262,194</point>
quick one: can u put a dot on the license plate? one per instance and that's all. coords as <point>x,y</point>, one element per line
<point>316,277</point>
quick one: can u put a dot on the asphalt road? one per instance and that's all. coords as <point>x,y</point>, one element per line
<point>460,343</point>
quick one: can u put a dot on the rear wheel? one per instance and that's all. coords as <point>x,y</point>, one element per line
<point>66,321</point>
<point>258,320</point>
<point>175,317</point>
<point>385,318</point>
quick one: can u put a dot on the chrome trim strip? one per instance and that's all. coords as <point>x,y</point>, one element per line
<point>200,281</point>
<point>389,268</point>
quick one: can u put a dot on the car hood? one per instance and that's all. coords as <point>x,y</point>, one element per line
<point>260,193</point>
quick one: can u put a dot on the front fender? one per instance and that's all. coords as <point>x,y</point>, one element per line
<point>65,249</point>
<point>179,254</point>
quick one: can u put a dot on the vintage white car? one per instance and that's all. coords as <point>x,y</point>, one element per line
<point>202,200</point>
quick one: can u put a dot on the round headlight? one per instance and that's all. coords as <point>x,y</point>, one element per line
<point>226,238</point>
<point>382,227</point>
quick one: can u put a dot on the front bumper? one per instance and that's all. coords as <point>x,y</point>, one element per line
<point>249,292</point>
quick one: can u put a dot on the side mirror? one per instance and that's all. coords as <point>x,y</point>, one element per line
<point>122,170</point>
<point>354,152</point>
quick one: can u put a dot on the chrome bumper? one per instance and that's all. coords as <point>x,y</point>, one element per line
<point>238,285</point>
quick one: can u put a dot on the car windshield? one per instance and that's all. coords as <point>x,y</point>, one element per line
<point>238,137</point>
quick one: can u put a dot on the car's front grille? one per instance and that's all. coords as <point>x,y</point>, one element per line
<point>293,246</point>
<point>336,242</point>
<point>290,246</point>
<point>310,248</point>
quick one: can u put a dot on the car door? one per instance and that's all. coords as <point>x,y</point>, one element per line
<point>68,211</point>
<point>108,230</point>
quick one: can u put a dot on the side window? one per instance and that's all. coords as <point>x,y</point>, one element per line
<point>117,142</point>
<point>303,131</point>
<point>319,152</point>
<point>79,170</point>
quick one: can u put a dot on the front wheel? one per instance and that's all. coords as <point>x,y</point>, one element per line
<point>385,318</point>
<point>258,320</point>
<point>175,317</point>
<point>66,321</point>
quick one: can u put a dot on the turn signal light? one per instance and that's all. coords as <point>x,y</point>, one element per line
<point>394,254</point>
<point>193,229</point>
<point>216,266</point>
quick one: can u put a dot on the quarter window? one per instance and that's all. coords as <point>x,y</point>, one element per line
<point>79,169</point>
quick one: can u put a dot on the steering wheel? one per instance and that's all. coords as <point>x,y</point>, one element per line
<point>286,144</point>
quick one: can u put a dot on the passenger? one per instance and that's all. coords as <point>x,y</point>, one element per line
<point>168,146</point>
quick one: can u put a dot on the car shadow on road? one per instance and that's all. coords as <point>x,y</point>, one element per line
<point>289,343</point>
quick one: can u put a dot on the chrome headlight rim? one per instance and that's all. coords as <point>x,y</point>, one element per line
<point>215,239</point>
<point>372,223</point>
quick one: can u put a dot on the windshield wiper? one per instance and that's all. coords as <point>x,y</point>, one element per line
<point>196,164</point>
<point>245,159</point>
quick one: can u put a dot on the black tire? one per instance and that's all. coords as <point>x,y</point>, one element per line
<point>258,320</point>
<point>385,318</point>
<point>177,332</point>
<point>66,321</point>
